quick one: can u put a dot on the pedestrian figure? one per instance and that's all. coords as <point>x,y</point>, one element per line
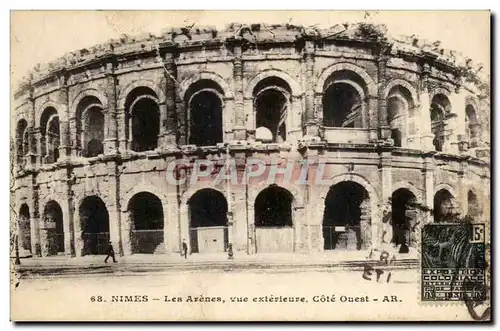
<point>110,253</point>
<point>184,248</point>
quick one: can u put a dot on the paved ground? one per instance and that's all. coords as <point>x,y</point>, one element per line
<point>352,260</point>
<point>151,296</point>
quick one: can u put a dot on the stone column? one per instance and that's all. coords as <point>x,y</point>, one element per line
<point>364,222</point>
<point>372,105</point>
<point>428,174</point>
<point>168,115</point>
<point>457,122</point>
<point>34,221</point>
<point>67,209</point>
<point>113,207</point>
<point>385,174</point>
<point>171,233</point>
<point>426,136</point>
<point>385,131</point>
<point>311,103</point>
<point>32,143</point>
<point>122,130</point>
<point>239,128</point>
<point>110,140</point>
<point>65,146</point>
<point>125,232</point>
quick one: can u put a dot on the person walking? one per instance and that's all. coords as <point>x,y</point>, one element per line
<point>184,248</point>
<point>110,253</point>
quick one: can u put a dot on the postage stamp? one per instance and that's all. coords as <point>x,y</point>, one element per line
<point>453,262</point>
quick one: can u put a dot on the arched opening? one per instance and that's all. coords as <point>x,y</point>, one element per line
<point>271,105</point>
<point>472,126</point>
<point>345,206</point>
<point>142,115</point>
<point>443,207</point>
<point>343,100</point>
<point>21,141</point>
<point>95,225</point>
<point>440,107</point>
<point>24,232</point>
<point>274,230</point>
<point>404,217</point>
<point>473,208</point>
<point>90,127</point>
<point>208,221</point>
<point>50,140</point>
<point>399,109</point>
<point>204,105</point>
<point>147,223</point>
<point>53,229</point>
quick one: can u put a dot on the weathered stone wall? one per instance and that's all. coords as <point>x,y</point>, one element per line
<point>236,60</point>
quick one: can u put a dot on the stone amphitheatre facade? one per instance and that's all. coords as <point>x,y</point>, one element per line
<point>397,122</point>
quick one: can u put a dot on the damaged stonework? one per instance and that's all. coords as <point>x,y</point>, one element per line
<point>390,121</point>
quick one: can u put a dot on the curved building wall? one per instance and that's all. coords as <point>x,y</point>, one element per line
<point>108,123</point>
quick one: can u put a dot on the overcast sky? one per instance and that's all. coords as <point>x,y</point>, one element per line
<point>43,36</point>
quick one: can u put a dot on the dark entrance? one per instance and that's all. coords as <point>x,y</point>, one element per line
<point>208,222</point>
<point>205,119</point>
<point>146,212</point>
<point>95,226</point>
<point>443,207</point>
<point>342,216</point>
<point>403,216</point>
<point>273,220</point>
<point>54,226</point>
<point>24,228</point>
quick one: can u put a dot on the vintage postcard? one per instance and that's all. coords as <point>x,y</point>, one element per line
<point>250,166</point>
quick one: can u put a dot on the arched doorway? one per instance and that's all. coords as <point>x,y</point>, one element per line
<point>404,217</point>
<point>272,104</point>
<point>53,229</point>
<point>443,207</point>
<point>21,141</point>
<point>345,209</point>
<point>208,231</point>
<point>472,126</point>
<point>204,105</point>
<point>343,100</point>
<point>50,139</point>
<point>143,119</point>
<point>147,223</point>
<point>440,108</point>
<point>95,225</point>
<point>24,241</point>
<point>90,127</point>
<point>274,231</point>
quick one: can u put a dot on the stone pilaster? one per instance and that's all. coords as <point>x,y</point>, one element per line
<point>122,132</point>
<point>463,202</point>
<point>385,173</point>
<point>35,219</point>
<point>114,208</point>
<point>372,104</point>
<point>457,121</point>
<point>365,226</point>
<point>65,146</point>
<point>168,114</point>
<point>68,227</point>
<point>385,131</point>
<point>311,103</point>
<point>239,129</point>
<point>428,174</point>
<point>111,133</point>
<point>426,136</point>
